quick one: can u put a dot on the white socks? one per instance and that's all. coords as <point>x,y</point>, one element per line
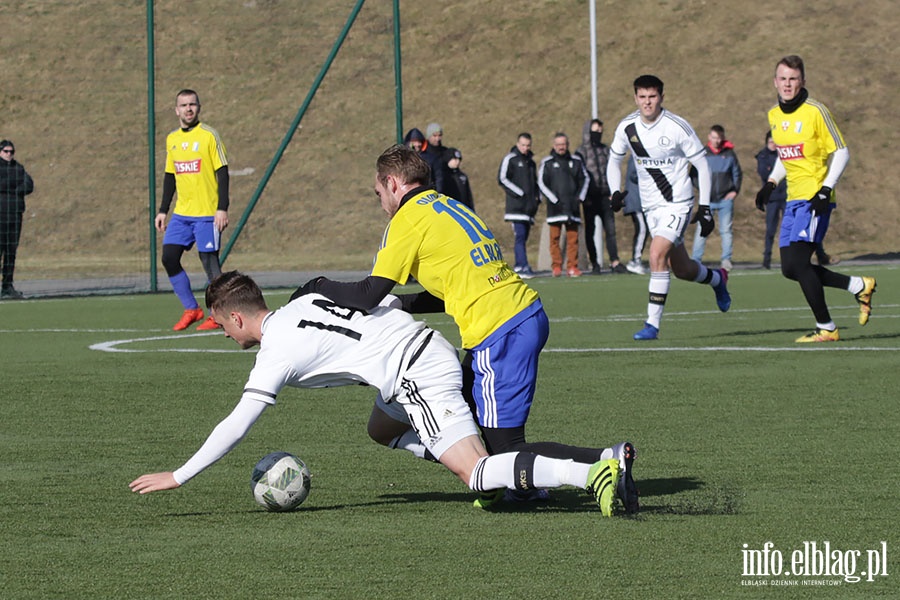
<point>498,471</point>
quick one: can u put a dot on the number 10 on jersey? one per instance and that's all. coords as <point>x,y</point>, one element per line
<point>486,248</point>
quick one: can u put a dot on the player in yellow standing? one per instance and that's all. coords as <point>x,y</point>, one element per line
<point>453,254</point>
<point>805,136</point>
<point>197,169</point>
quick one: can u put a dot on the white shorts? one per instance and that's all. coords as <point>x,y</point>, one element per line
<point>669,221</point>
<point>431,399</point>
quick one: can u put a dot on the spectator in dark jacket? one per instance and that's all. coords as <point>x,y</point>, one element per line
<point>596,204</point>
<point>518,178</point>
<point>457,183</point>
<point>563,181</point>
<point>725,173</point>
<point>15,184</point>
<point>765,162</point>
<point>436,156</point>
<point>416,140</point>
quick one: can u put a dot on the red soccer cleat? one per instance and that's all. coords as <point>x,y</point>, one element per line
<point>191,315</point>
<point>208,325</point>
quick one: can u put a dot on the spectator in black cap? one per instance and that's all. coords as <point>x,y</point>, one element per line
<point>15,184</point>
<point>457,183</point>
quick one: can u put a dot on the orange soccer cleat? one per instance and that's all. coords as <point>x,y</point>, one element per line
<point>191,315</point>
<point>208,325</point>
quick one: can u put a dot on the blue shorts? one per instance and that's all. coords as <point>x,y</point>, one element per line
<point>505,367</point>
<point>800,225</point>
<point>184,231</point>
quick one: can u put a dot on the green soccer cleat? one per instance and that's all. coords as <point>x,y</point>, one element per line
<point>489,499</point>
<point>864,298</point>
<point>602,481</point>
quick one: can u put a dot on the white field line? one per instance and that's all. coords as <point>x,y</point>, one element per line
<point>113,345</point>
<point>116,345</point>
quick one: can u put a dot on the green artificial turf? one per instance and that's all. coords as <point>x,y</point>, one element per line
<point>743,438</point>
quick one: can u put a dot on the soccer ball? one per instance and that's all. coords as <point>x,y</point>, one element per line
<point>280,482</point>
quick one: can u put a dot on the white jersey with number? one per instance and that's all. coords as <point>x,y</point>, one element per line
<point>314,343</point>
<point>661,151</point>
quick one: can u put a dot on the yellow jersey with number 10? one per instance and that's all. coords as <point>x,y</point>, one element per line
<point>453,255</point>
<point>804,139</point>
<point>194,156</point>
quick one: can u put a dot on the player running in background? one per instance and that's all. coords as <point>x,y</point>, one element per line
<point>805,136</point>
<point>662,146</point>
<point>197,169</point>
<point>313,342</point>
<point>453,254</point>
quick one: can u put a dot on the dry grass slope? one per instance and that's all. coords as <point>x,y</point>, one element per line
<point>74,101</point>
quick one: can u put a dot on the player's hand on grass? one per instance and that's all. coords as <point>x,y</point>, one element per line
<point>705,218</point>
<point>160,222</point>
<point>154,482</point>
<point>762,196</point>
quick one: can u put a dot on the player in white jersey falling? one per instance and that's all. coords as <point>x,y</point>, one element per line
<point>312,342</point>
<point>663,146</point>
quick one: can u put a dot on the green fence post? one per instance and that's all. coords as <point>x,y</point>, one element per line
<point>151,144</point>
<point>290,133</point>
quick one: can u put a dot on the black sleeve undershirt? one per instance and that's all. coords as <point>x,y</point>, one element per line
<point>168,193</point>
<point>223,179</point>
<point>366,294</point>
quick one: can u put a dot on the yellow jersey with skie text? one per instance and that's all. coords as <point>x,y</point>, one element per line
<point>453,254</point>
<point>804,139</point>
<point>194,156</point>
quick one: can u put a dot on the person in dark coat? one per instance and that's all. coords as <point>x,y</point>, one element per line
<point>15,184</point>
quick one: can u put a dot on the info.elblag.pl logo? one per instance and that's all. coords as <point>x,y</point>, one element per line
<point>813,563</point>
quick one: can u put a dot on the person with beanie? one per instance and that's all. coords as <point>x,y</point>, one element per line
<point>437,156</point>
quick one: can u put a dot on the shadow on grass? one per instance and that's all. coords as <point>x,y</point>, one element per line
<point>787,331</point>
<point>687,496</point>
<point>797,331</point>
<point>690,496</point>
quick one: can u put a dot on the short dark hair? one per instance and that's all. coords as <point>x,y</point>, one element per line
<point>648,82</point>
<point>234,291</point>
<point>792,61</point>
<point>187,92</point>
<point>405,164</point>
<point>718,129</point>
<point>768,135</point>
<point>525,135</point>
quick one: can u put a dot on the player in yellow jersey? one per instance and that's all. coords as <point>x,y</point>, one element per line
<point>805,136</point>
<point>453,254</point>
<point>197,169</point>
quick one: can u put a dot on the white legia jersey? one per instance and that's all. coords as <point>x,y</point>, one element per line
<point>313,343</point>
<point>661,152</point>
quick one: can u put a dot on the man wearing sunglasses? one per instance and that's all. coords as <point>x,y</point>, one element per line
<point>15,184</point>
